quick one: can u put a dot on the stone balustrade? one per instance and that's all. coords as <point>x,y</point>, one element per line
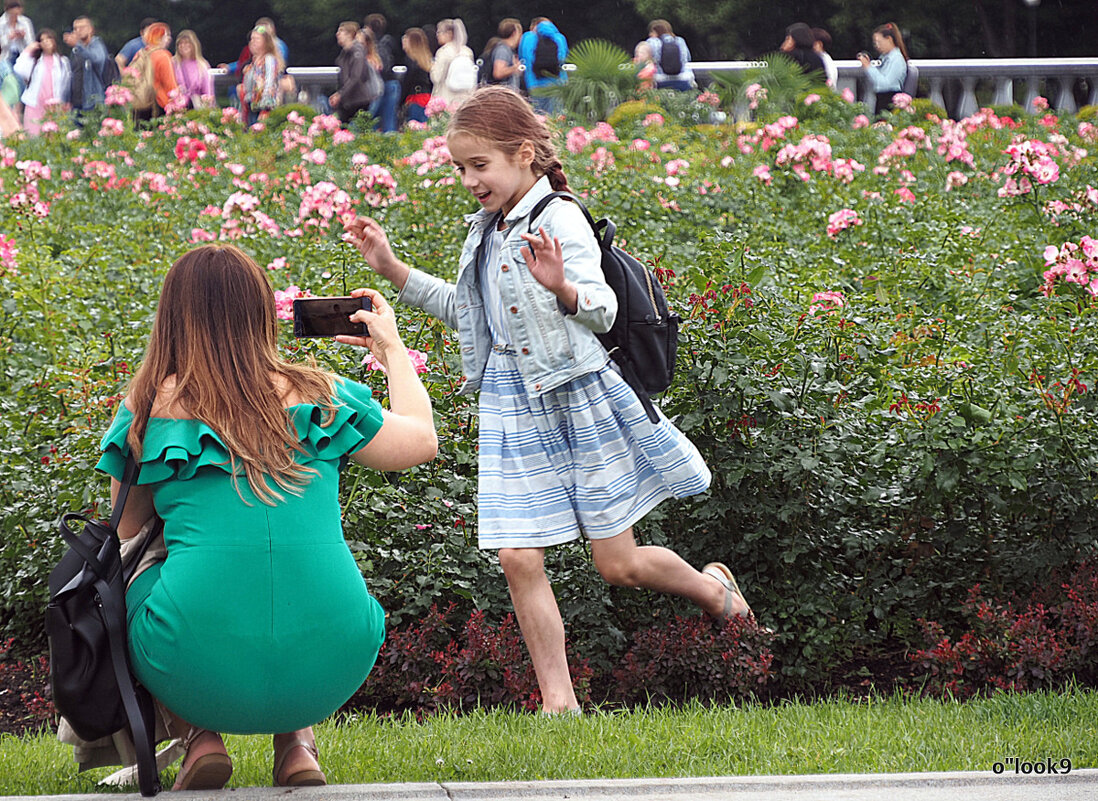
<point>960,86</point>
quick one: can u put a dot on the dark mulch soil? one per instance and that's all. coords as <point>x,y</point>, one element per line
<point>25,706</point>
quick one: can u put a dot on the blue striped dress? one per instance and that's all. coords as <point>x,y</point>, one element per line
<point>582,458</point>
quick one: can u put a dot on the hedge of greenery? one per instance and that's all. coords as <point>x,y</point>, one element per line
<point>887,358</point>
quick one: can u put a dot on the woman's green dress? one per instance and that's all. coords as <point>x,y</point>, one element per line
<point>259,619</point>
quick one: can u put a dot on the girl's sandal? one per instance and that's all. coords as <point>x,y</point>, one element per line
<point>207,772</point>
<point>731,589</point>
<point>306,777</point>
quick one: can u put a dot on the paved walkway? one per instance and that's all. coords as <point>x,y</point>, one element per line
<point>1079,785</point>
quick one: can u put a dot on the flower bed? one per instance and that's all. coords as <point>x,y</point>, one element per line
<point>888,353</point>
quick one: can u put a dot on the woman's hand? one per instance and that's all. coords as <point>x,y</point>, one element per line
<point>864,59</point>
<point>333,100</point>
<point>384,339</point>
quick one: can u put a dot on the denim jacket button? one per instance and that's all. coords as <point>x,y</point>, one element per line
<point>514,310</point>
<point>525,351</point>
<point>504,268</point>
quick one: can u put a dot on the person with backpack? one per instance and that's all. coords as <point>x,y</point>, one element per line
<point>258,619</point>
<point>155,74</point>
<point>454,72</point>
<point>542,51</point>
<point>499,63</point>
<point>671,57</point>
<point>89,65</point>
<point>566,447</point>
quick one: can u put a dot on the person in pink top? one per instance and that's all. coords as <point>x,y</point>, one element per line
<point>47,75</point>
<point>192,71</point>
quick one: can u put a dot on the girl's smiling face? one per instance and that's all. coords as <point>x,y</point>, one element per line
<point>497,180</point>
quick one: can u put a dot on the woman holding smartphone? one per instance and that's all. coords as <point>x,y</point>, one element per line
<point>889,77</point>
<point>258,620</point>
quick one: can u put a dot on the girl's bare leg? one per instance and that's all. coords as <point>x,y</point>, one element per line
<point>541,624</point>
<point>625,564</point>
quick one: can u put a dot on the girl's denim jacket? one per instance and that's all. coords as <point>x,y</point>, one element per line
<point>552,346</point>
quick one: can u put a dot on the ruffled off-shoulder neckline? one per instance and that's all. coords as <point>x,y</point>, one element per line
<point>178,448</point>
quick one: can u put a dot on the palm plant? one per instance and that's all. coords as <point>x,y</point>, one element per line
<point>783,79</point>
<point>603,77</point>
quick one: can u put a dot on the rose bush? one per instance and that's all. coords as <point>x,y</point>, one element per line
<point>888,351</point>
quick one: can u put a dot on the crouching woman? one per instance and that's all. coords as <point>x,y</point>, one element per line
<point>258,620</point>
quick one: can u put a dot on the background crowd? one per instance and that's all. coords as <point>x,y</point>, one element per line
<point>395,80</point>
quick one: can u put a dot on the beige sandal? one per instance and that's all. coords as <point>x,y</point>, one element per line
<point>731,589</point>
<point>207,772</point>
<point>308,777</point>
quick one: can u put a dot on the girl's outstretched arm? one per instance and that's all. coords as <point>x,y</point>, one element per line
<point>368,237</point>
<point>545,260</point>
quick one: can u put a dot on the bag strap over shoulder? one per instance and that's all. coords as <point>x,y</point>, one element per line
<point>604,231</point>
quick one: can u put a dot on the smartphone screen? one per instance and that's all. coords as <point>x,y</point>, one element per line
<point>326,317</point>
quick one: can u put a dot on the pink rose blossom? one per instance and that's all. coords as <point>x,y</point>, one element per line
<point>284,301</point>
<point>419,361</point>
<point>841,220</point>
<point>829,302</point>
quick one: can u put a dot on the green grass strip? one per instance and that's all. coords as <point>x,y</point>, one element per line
<point>890,735</point>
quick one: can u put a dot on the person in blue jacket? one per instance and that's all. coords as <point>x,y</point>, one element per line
<point>527,52</point>
<point>889,77</point>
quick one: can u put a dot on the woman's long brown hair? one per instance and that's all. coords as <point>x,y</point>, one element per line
<point>216,333</point>
<point>504,119</point>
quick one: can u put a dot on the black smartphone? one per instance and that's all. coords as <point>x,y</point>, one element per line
<point>326,317</point>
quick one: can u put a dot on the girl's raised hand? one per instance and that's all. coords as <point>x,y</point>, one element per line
<point>545,260</point>
<point>368,238</point>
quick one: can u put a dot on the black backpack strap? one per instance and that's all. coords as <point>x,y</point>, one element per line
<point>139,711</point>
<point>129,478</point>
<point>141,726</point>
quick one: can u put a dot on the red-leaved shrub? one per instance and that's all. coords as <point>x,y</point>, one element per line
<point>696,658</point>
<point>431,665</point>
<point>1018,647</point>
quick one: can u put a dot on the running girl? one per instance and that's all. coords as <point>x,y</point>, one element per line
<point>565,445</point>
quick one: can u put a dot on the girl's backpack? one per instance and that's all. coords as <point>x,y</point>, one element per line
<point>644,338</point>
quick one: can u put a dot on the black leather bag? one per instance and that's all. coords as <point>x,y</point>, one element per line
<point>93,686</point>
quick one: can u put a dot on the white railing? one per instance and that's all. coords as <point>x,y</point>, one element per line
<point>955,84</point>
